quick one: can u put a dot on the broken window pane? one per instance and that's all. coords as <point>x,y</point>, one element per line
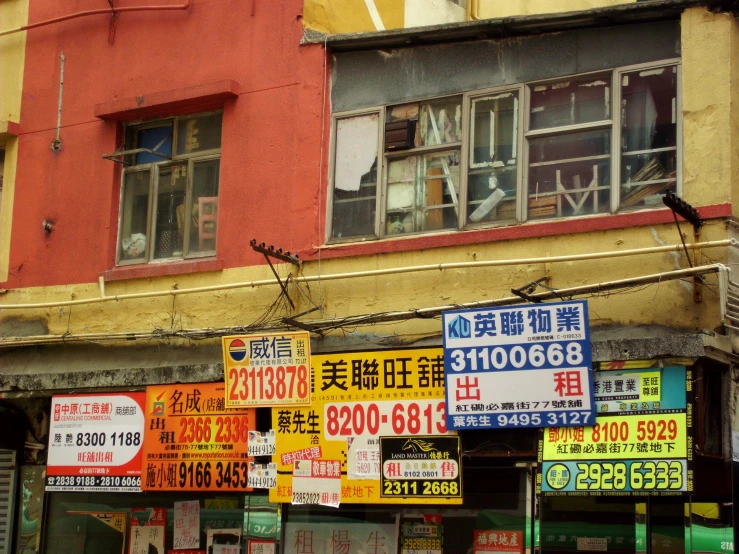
<point>200,133</point>
<point>440,122</point>
<point>134,215</point>
<point>170,195</point>
<point>355,176</point>
<point>422,193</point>
<point>204,209</point>
<point>573,101</point>
<point>648,135</point>
<point>158,139</point>
<point>493,158</point>
<point>569,174</point>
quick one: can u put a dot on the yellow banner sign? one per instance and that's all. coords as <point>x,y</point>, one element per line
<point>359,397</point>
<point>267,370</point>
<point>646,436</point>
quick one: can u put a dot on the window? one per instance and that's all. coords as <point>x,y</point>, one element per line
<point>581,145</point>
<point>2,172</point>
<point>169,194</point>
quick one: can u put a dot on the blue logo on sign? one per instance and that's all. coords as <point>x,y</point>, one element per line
<point>459,328</point>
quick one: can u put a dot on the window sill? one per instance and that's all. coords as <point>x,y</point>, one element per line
<point>533,229</point>
<point>162,269</point>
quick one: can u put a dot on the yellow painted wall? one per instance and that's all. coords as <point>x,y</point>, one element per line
<point>734,116</point>
<point>351,16</point>
<point>13,13</point>
<point>708,67</point>
<point>669,303</point>
<point>489,9</point>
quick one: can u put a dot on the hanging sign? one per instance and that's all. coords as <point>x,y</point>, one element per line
<point>186,525</point>
<point>192,442</point>
<point>267,370</point>
<point>643,451</point>
<point>421,467</point>
<point>361,395</point>
<point>518,366</point>
<point>95,442</point>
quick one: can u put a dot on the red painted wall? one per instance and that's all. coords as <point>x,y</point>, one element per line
<point>271,138</point>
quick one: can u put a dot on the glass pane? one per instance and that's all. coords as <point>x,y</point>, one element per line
<point>493,158</point>
<point>422,193</point>
<point>649,109</point>
<point>134,213</point>
<point>440,122</point>
<point>645,177</point>
<point>199,133</point>
<point>170,195</point>
<point>648,135</point>
<point>151,139</point>
<point>582,99</point>
<point>355,176</point>
<point>204,210</point>
<point>569,174</point>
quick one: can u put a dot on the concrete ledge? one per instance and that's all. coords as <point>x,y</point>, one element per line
<point>9,129</point>
<point>150,361</point>
<point>169,102</point>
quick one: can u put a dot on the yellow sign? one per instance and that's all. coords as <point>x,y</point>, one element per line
<point>267,370</point>
<point>359,397</point>
<point>646,436</point>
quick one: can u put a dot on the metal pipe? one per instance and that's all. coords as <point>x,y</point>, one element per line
<point>376,273</point>
<point>111,11</point>
<point>366,319</point>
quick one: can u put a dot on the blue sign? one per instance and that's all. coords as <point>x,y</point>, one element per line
<point>518,366</point>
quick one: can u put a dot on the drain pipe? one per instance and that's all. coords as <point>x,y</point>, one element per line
<point>110,11</point>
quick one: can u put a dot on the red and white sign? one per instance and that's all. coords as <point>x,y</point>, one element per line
<point>432,518</point>
<point>186,525</point>
<point>508,542</point>
<point>317,482</point>
<point>304,454</point>
<point>95,442</point>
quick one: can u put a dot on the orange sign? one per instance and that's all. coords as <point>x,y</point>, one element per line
<point>192,442</point>
<point>267,370</point>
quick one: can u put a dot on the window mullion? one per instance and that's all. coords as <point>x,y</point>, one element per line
<point>188,209</point>
<point>380,218</point>
<point>464,162</point>
<point>616,143</point>
<point>152,210</point>
<point>523,203</point>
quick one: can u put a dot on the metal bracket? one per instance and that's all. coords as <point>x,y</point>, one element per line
<point>113,21</point>
<point>279,255</point>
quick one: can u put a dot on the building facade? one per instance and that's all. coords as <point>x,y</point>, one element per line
<point>175,174</point>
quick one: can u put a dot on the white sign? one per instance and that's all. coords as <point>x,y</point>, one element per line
<point>262,476</point>
<point>317,482</point>
<point>592,543</point>
<point>262,444</point>
<point>187,525</point>
<point>143,538</point>
<point>95,442</point>
<point>363,458</point>
<point>347,538</point>
<point>518,366</point>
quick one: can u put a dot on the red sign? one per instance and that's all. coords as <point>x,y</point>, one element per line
<point>432,518</point>
<point>510,542</point>
<point>305,454</point>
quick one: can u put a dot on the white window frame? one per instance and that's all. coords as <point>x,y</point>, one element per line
<point>154,168</point>
<point>522,166</point>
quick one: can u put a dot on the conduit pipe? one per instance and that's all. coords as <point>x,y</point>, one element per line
<point>374,273</point>
<point>368,319</point>
<point>110,11</point>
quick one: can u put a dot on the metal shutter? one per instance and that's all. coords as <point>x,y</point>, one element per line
<point>7,496</point>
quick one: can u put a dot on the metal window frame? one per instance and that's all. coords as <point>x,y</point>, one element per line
<point>188,159</point>
<point>524,90</point>
<point>617,131</point>
<point>380,112</point>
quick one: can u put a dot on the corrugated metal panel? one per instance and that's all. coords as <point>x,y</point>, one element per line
<point>7,496</point>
